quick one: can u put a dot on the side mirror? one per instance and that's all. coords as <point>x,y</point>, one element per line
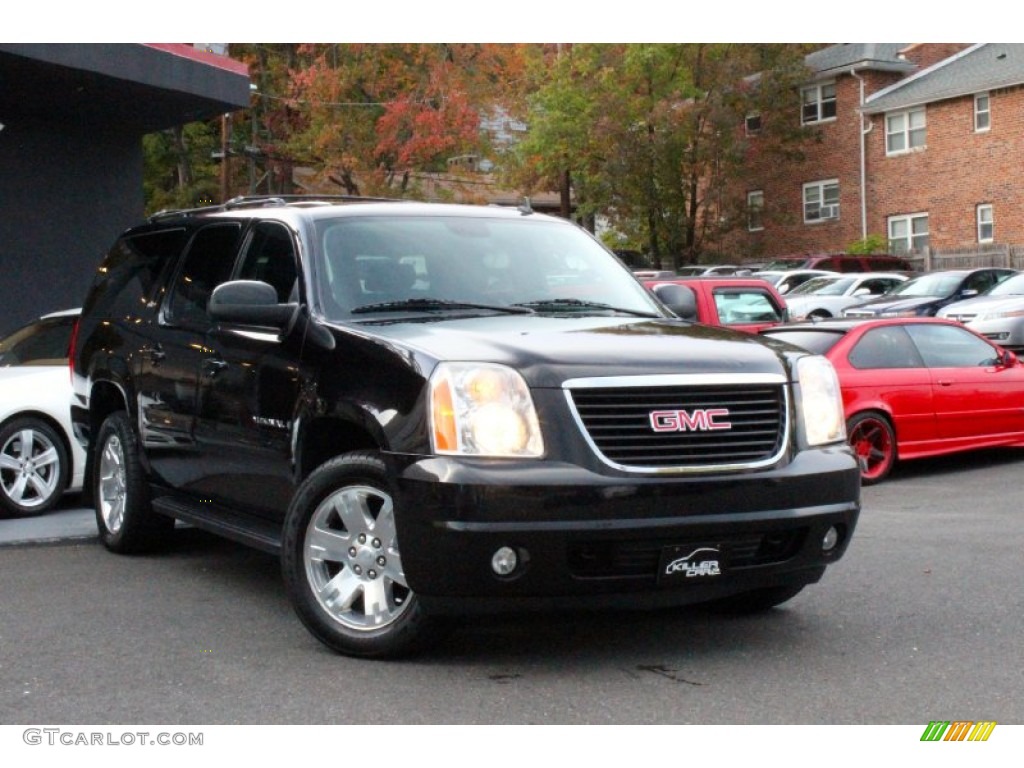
<point>968,293</point>
<point>250,302</point>
<point>679,298</point>
<point>1008,359</point>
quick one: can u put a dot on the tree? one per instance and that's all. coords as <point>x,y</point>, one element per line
<point>649,134</point>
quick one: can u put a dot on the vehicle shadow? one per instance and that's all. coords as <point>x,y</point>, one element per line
<point>940,466</point>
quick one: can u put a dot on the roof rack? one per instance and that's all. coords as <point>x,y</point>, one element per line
<point>266,201</point>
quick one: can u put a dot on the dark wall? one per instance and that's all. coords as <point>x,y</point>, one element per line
<point>66,192</point>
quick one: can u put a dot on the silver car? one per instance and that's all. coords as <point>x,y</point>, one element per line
<point>998,314</point>
<point>828,296</point>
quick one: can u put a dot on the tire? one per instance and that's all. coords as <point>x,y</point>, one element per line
<point>756,600</point>
<point>873,440</point>
<point>340,552</point>
<point>819,314</point>
<point>34,467</point>
<point>125,518</point>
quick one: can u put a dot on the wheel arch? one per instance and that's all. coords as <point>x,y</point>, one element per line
<point>105,398</point>
<point>321,439</point>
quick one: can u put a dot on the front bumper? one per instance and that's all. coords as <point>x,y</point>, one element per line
<point>587,540</point>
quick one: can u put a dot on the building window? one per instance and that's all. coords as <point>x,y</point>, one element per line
<point>755,210</point>
<point>821,200</point>
<point>982,113</point>
<point>753,124</point>
<point>904,131</point>
<point>908,233</point>
<point>986,224</point>
<point>819,103</point>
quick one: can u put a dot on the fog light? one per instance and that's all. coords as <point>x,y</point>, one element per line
<point>830,540</point>
<point>504,561</point>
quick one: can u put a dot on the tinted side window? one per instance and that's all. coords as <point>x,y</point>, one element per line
<point>131,272</point>
<point>270,257</point>
<point>42,343</point>
<point>944,346</point>
<point>208,263</point>
<point>887,347</point>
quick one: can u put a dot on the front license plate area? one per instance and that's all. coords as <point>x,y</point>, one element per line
<point>690,563</point>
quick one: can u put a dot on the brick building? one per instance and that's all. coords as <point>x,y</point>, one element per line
<point>919,144</point>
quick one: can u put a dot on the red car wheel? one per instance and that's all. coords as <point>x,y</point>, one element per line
<point>874,442</point>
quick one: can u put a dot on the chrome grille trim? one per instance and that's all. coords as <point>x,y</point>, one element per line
<point>682,381</point>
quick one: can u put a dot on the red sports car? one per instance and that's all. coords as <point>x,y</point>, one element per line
<point>916,387</point>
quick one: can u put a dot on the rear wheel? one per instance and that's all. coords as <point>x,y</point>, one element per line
<point>126,520</point>
<point>342,565</point>
<point>34,467</point>
<point>819,314</point>
<point>874,442</point>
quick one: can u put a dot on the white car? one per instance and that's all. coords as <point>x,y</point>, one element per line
<point>786,281</point>
<point>39,458</point>
<point>828,296</point>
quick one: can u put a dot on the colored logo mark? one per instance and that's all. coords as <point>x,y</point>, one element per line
<point>958,730</point>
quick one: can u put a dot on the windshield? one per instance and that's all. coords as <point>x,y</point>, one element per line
<point>936,284</point>
<point>1013,286</point>
<point>824,286</point>
<point>367,266</point>
<point>784,264</point>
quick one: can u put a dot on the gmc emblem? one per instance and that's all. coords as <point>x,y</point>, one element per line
<point>698,420</point>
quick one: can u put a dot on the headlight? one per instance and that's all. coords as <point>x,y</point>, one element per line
<point>481,409</point>
<point>821,401</point>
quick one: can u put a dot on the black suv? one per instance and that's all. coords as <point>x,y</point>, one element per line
<point>426,409</point>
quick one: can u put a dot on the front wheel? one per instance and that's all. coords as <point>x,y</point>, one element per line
<point>874,443</point>
<point>342,565</point>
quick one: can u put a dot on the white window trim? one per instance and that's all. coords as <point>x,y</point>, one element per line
<point>905,132</point>
<point>820,186</point>
<point>751,206</point>
<point>978,112</point>
<point>909,219</point>
<point>991,222</point>
<point>819,101</point>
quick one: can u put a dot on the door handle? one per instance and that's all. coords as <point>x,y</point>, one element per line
<point>214,364</point>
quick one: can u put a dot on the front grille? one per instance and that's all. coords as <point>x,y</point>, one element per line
<point>731,423</point>
<point>639,559</point>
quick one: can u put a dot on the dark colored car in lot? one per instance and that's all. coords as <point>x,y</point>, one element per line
<point>842,262</point>
<point>925,295</point>
<point>917,387</point>
<point>430,409</point>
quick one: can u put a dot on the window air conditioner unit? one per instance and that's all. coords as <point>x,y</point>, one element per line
<point>828,212</point>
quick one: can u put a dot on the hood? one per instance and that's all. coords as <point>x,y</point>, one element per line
<point>980,304</point>
<point>895,303</point>
<point>548,350</point>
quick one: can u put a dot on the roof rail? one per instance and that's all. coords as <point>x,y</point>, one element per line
<point>259,201</point>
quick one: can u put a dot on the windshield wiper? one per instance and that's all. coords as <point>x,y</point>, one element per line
<point>434,305</point>
<point>557,304</point>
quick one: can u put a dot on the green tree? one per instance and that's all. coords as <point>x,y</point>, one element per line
<point>651,136</point>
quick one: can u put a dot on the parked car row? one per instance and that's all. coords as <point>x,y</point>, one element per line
<point>913,385</point>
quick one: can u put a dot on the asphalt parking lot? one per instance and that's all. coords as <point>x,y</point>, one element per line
<point>921,621</point>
